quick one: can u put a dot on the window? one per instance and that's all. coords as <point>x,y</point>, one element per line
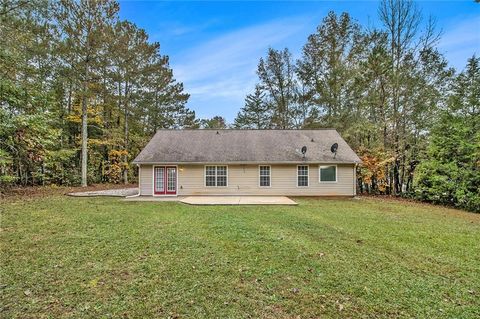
<point>302,175</point>
<point>221,176</point>
<point>216,176</point>
<point>210,175</point>
<point>328,173</point>
<point>159,180</point>
<point>264,176</point>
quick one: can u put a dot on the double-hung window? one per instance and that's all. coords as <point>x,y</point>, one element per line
<point>328,174</point>
<point>216,175</point>
<point>264,175</point>
<point>302,175</point>
<point>222,176</point>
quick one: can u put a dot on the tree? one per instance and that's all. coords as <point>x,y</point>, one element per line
<point>276,76</point>
<point>256,114</point>
<point>26,63</point>
<point>329,67</point>
<point>216,122</point>
<point>84,25</point>
<point>373,77</point>
<point>275,96</point>
<point>450,173</point>
<point>145,91</point>
<point>401,19</point>
<point>164,100</point>
<point>131,54</point>
<point>381,89</point>
<point>91,82</point>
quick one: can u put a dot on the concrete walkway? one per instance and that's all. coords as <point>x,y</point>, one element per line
<point>238,200</point>
<point>119,192</point>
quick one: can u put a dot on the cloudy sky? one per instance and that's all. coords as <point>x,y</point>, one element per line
<point>214,47</point>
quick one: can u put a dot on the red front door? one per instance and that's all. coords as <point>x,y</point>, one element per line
<point>165,180</point>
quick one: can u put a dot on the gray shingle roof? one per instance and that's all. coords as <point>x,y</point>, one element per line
<point>245,146</point>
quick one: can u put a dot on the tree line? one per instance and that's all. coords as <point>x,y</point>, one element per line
<point>390,93</point>
<point>82,91</point>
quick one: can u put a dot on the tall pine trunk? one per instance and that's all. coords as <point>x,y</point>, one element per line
<point>84,139</point>
<point>125,159</point>
<point>85,121</point>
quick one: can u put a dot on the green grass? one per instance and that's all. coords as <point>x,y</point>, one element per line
<point>103,258</point>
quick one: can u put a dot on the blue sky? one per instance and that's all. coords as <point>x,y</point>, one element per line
<point>214,47</point>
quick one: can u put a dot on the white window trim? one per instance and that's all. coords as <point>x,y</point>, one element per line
<point>270,176</point>
<point>205,175</point>
<point>226,175</point>
<point>153,180</point>
<point>320,174</point>
<point>308,176</point>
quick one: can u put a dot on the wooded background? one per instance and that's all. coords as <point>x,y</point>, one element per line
<point>81,92</point>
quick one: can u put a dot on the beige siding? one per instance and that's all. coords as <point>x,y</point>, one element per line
<point>145,180</point>
<point>244,180</point>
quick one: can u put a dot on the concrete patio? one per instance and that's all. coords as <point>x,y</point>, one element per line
<point>238,200</point>
<point>130,195</point>
<point>216,200</point>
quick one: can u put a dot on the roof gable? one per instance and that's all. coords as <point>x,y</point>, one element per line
<point>245,146</point>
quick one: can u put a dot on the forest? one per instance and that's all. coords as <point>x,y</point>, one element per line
<point>82,91</point>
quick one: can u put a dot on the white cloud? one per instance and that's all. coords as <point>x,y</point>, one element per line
<point>224,67</point>
<point>233,50</point>
<point>460,41</point>
<point>220,72</point>
<point>172,29</point>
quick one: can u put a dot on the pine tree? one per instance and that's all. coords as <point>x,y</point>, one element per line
<point>329,66</point>
<point>73,67</point>
<point>84,25</point>
<point>276,74</point>
<point>450,174</point>
<point>164,98</point>
<point>131,55</point>
<point>216,122</point>
<point>256,114</point>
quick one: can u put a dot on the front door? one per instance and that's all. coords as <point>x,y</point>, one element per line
<point>165,180</point>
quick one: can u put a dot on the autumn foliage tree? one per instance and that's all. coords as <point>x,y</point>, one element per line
<point>78,87</point>
<point>383,89</point>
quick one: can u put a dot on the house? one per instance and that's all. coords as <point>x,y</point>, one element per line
<point>247,162</point>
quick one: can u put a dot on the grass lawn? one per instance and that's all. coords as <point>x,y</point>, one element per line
<point>103,258</point>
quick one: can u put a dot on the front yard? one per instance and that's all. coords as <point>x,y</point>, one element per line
<point>103,258</point>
